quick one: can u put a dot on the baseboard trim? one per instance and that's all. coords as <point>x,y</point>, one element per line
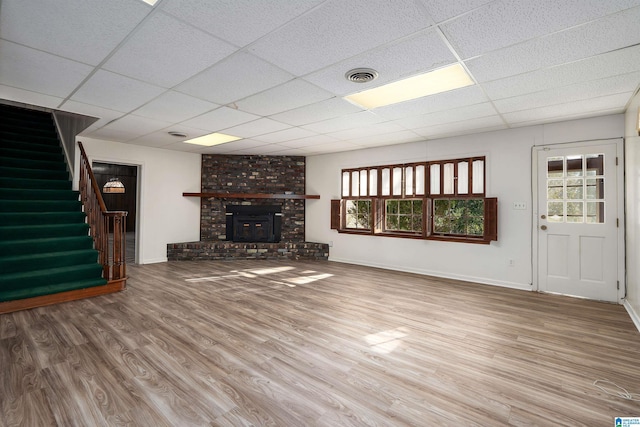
<point>632,313</point>
<point>44,300</point>
<point>473,279</point>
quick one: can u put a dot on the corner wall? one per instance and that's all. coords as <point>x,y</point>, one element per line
<point>632,196</point>
<point>165,216</point>
<point>509,176</point>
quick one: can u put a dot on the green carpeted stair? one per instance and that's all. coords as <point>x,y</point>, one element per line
<point>44,243</point>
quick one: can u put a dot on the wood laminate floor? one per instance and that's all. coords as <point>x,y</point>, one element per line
<point>244,343</point>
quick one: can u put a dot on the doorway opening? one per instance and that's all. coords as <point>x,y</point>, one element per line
<point>127,201</point>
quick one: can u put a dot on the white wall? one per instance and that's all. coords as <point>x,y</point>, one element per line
<point>164,215</point>
<point>509,174</point>
<point>632,195</point>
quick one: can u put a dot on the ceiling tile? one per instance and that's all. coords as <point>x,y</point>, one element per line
<point>449,116</point>
<point>222,118</point>
<point>469,95</point>
<point>441,10</point>
<point>607,34</point>
<point>334,147</point>
<point>161,138</point>
<point>606,104</point>
<point>135,125</point>
<point>86,31</point>
<point>317,112</point>
<point>285,135</point>
<point>304,143</point>
<point>264,149</point>
<point>337,30</point>
<point>174,106</point>
<point>367,131</point>
<point>257,127</point>
<point>288,96</point>
<point>507,22</point>
<point>626,61</point>
<point>231,147</point>
<point>402,137</point>
<point>28,97</point>
<point>115,92</point>
<point>236,77</point>
<point>350,121</point>
<point>481,124</point>
<point>25,68</point>
<point>625,83</point>
<point>240,21</point>
<point>395,61</point>
<point>165,51</point>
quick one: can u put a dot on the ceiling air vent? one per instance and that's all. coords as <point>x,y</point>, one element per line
<point>177,134</point>
<point>361,75</point>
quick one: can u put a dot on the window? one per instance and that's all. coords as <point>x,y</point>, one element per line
<point>442,200</point>
<point>403,215</point>
<point>358,214</point>
<point>575,189</point>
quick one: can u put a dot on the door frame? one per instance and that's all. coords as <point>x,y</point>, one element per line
<point>139,179</point>
<point>620,207</point>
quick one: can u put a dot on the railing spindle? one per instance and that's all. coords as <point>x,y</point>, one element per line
<point>111,256</point>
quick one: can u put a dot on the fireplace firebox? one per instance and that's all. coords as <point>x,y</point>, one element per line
<point>247,223</point>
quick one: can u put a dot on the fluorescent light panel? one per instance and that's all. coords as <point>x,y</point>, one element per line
<point>151,2</point>
<point>440,80</point>
<point>212,139</point>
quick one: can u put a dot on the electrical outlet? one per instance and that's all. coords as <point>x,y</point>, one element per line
<point>520,205</point>
<point>330,243</point>
<point>512,263</point>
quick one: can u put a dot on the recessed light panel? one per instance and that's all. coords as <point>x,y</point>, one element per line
<point>212,139</point>
<point>151,2</point>
<point>440,80</point>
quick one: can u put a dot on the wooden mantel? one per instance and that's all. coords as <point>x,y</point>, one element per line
<point>252,195</point>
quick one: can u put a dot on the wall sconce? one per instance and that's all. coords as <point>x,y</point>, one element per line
<point>114,185</point>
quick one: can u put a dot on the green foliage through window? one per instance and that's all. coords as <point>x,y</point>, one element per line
<point>358,214</point>
<point>463,217</point>
<point>403,215</point>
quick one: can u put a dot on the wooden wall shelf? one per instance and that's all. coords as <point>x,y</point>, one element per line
<point>252,195</point>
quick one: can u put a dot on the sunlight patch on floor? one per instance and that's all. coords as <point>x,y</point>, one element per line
<point>303,280</point>
<point>386,341</point>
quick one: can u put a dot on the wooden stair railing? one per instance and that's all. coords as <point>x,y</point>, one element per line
<point>111,249</point>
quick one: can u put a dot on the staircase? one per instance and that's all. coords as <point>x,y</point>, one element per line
<point>46,252</point>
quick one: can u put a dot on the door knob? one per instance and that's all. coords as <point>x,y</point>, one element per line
<point>543,227</point>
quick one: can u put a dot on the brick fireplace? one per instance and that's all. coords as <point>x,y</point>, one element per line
<point>257,176</point>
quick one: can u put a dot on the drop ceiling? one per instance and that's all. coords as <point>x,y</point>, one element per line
<point>272,71</point>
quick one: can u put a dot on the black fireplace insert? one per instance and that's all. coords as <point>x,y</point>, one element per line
<point>247,223</point>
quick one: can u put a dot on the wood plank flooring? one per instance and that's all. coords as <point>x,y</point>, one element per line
<point>290,343</point>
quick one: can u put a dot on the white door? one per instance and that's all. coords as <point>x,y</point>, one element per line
<point>577,221</point>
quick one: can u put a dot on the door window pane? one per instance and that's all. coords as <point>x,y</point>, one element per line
<point>574,189</point>
<point>595,212</point>
<point>555,211</point>
<point>555,189</point>
<point>574,165</point>
<point>575,211</point>
<point>595,188</point>
<point>555,167</point>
